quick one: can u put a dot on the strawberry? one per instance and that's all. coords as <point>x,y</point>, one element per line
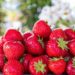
<point>27,35</point>
<point>68,56</point>
<point>71,46</point>
<point>13,67</point>
<point>57,65</point>
<point>1,42</point>
<point>45,57</point>
<point>45,43</point>
<point>1,58</point>
<point>12,35</point>
<point>58,33</point>
<point>41,29</point>
<point>71,67</point>
<point>26,62</point>
<point>13,49</point>
<point>70,34</point>
<point>1,50</point>
<point>38,66</point>
<point>56,48</point>
<point>1,62</point>
<point>34,45</point>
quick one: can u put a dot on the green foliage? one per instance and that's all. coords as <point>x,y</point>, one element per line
<point>29,9</point>
<point>64,22</point>
<point>2,12</point>
<point>2,16</point>
<point>1,1</point>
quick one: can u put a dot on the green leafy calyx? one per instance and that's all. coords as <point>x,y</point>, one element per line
<point>39,66</point>
<point>62,44</point>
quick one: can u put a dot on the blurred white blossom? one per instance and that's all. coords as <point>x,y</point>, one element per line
<point>60,9</point>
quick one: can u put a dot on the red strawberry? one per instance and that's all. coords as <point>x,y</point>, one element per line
<point>58,33</point>
<point>13,67</point>
<point>27,35</point>
<point>41,29</point>
<point>71,46</point>
<point>45,57</point>
<point>26,62</point>
<point>57,65</point>
<point>13,49</point>
<point>67,57</point>
<point>1,62</point>
<point>38,66</point>
<point>70,34</point>
<point>45,43</point>
<point>1,42</point>
<point>1,50</point>
<point>12,35</point>
<point>71,67</point>
<point>56,48</point>
<point>1,58</point>
<point>34,46</point>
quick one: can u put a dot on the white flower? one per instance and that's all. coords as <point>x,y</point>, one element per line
<point>73,14</point>
<point>56,2</point>
<point>46,10</point>
<point>59,9</point>
<point>72,26</point>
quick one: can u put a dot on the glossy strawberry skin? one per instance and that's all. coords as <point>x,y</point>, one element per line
<point>45,57</point>
<point>71,46</point>
<point>34,46</point>
<point>58,33</point>
<point>70,34</point>
<point>32,68</point>
<point>28,34</point>
<point>1,58</point>
<point>45,43</point>
<point>68,56</point>
<point>1,42</point>
<point>70,69</point>
<point>53,50</point>
<point>1,62</point>
<point>13,49</point>
<point>13,67</point>
<point>41,29</point>
<point>26,62</point>
<point>12,35</point>
<point>57,66</point>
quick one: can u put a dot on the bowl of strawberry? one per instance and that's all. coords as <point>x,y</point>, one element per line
<point>42,51</point>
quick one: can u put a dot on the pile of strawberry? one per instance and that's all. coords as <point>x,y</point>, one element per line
<point>38,52</point>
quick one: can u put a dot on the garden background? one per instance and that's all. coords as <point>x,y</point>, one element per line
<point>22,14</point>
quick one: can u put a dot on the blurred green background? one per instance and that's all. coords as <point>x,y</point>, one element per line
<point>29,10</point>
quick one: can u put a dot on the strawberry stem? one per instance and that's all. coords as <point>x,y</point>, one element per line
<point>62,44</point>
<point>41,41</point>
<point>39,66</point>
<point>55,59</point>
